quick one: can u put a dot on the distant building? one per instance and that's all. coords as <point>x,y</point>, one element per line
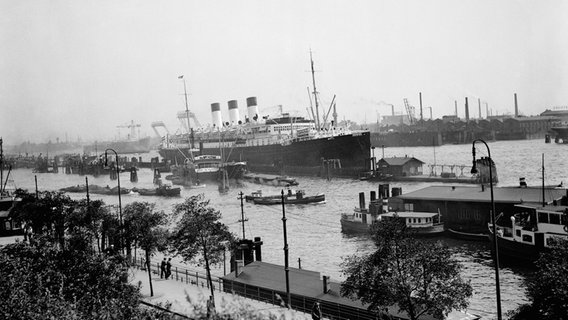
<point>530,125</point>
<point>395,120</point>
<point>559,112</point>
<point>400,166</point>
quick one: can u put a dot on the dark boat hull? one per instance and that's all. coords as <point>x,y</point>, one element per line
<point>354,227</point>
<point>516,251</point>
<point>297,158</point>
<point>303,200</point>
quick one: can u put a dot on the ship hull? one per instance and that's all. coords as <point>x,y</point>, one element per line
<point>297,158</point>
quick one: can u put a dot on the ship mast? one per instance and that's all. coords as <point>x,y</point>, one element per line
<point>187,117</point>
<point>315,93</point>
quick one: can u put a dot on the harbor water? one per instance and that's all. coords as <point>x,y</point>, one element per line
<point>314,232</point>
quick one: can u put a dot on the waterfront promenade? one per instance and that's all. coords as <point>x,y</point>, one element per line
<point>178,292</point>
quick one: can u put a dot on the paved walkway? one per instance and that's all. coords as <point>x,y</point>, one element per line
<point>178,293</point>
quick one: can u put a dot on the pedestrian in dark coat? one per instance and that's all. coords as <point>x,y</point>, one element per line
<point>163,269</point>
<point>169,268</point>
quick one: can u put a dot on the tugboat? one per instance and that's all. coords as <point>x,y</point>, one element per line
<point>362,218</point>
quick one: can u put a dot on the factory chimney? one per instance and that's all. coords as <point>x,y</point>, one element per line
<point>456,105</point>
<point>466,110</point>
<point>516,107</point>
<point>420,95</point>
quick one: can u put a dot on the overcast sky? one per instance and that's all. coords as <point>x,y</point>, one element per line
<point>82,68</point>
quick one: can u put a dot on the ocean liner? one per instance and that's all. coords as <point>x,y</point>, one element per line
<point>284,145</point>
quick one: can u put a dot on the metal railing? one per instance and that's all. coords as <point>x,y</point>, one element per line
<point>299,302</point>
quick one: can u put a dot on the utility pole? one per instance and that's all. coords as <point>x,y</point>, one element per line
<point>242,214</point>
<point>286,268</point>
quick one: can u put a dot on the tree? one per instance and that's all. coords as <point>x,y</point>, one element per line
<point>420,277</point>
<point>547,288</point>
<point>40,280</point>
<point>199,234</point>
<point>145,227</point>
<point>46,213</point>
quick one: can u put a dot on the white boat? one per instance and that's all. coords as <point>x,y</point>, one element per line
<point>420,223</point>
<point>530,231</point>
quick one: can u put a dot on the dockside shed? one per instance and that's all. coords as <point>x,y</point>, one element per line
<point>468,208</point>
<point>400,166</point>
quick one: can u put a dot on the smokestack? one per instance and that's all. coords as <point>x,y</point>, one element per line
<point>392,107</point>
<point>420,96</point>
<point>216,115</point>
<point>456,104</point>
<point>479,103</point>
<point>516,107</point>
<point>257,249</point>
<point>466,110</point>
<point>252,109</point>
<point>361,200</point>
<point>325,284</point>
<point>233,112</point>
<point>486,110</point>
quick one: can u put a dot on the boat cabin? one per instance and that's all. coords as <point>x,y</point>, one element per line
<point>414,219</point>
<point>537,225</point>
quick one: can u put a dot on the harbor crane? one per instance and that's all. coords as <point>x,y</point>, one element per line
<point>158,124</point>
<point>183,119</point>
<point>132,126</point>
<point>409,111</point>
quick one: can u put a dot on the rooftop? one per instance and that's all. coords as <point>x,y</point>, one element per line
<point>479,194</point>
<point>399,161</point>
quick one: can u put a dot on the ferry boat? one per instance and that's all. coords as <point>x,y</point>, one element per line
<point>530,231</point>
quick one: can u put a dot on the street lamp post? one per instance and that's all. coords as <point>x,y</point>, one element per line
<point>496,258</point>
<point>119,198</point>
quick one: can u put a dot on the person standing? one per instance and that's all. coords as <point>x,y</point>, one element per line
<point>163,269</point>
<point>316,311</point>
<point>169,268</point>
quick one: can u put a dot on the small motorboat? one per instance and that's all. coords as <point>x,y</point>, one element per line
<point>296,198</point>
<point>163,191</point>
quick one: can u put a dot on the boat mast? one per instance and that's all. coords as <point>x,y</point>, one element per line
<point>187,117</point>
<point>315,93</point>
<point>543,200</point>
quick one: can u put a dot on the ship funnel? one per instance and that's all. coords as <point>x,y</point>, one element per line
<point>216,115</point>
<point>233,112</point>
<point>252,109</point>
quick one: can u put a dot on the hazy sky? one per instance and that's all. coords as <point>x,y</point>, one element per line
<point>82,68</point>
